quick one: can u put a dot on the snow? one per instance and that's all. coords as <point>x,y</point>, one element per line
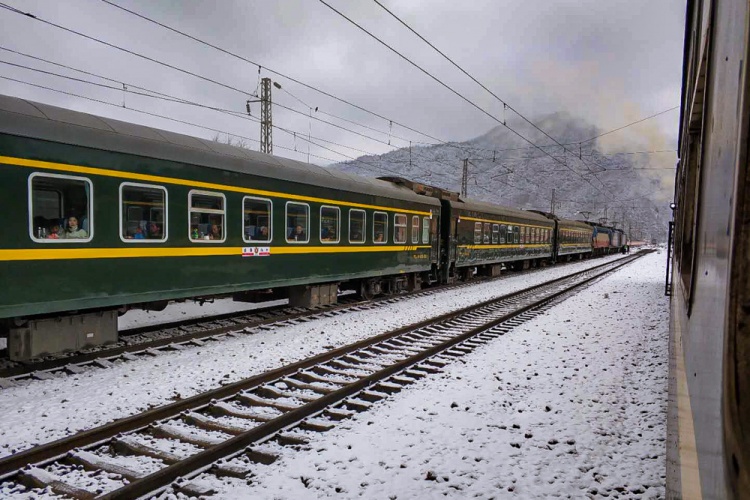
<point>597,361</point>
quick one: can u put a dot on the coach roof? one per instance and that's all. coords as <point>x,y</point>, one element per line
<point>25,118</point>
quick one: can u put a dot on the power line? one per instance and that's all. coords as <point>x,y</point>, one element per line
<point>630,124</point>
<point>452,90</point>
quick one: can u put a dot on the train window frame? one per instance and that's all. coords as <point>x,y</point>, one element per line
<point>502,233</point>
<point>364,226</point>
<point>426,230</point>
<point>338,225</point>
<point>486,233</point>
<point>287,232</point>
<point>414,230</point>
<point>477,233</point>
<point>495,233</point>
<point>213,211</point>
<point>385,229</point>
<point>30,208</point>
<point>397,225</point>
<point>247,239</point>
<point>517,235</point>
<point>165,217</point>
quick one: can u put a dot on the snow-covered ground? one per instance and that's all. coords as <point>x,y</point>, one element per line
<point>561,405</point>
<point>570,404</point>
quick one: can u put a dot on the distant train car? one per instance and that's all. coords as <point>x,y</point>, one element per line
<point>708,434</point>
<point>104,215</point>
<point>572,239</point>
<point>480,238</point>
<point>601,239</point>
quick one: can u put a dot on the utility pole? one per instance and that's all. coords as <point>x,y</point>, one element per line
<point>266,124</point>
<point>465,178</point>
<point>552,205</point>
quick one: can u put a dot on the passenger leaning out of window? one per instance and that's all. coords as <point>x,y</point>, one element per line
<point>73,230</point>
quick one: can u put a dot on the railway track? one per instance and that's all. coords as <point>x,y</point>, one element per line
<point>229,430</point>
<point>153,340</point>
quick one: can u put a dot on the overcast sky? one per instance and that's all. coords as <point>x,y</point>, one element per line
<point>610,62</point>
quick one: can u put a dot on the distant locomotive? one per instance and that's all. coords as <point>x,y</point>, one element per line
<point>106,216</point>
<point>708,452</point>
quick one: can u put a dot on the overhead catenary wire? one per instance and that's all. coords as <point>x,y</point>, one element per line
<point>452,90</point>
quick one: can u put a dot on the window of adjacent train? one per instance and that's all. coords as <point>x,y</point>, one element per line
<point>399,228</point>
<point>495,233</point>
<point>207,212</point>
<point>523,234</point>
<point>516,234</point>
<point>357,219</point>
<point>380,227</point>
<point>415,229</point>
<point>60,208</point>
<point>143,213</point>
<point>329,224</point>
<point>256,219</point>
<point>503,231</point>
<point>425,230</point>
<point>477,233</point>
<point>486,237</point>
<point>297,222</point>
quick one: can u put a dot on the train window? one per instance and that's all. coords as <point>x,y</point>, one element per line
<point>523,234</point>
<point>207,212</point>
<point>415,229</point>
<point>486,237</point>
<point>143,213</point>
<point>357,220</point>
<point>380,227</point>
<point>329,224</point>
<point>60,208</point>
<point>516,234</point>
<point>477,233</point>
<point>425,230</point>
<point>297,222</point>
<point>503,231</point>
<point>399,228</point>
<point>495,234</point>
<point>257,224</point>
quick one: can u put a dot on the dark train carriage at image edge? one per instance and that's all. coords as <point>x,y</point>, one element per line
<point>104,215</point>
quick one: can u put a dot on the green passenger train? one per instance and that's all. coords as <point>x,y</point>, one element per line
<point>105,216</point>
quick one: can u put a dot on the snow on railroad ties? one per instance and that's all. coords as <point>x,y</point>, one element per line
<point>571,404</point>
<point>39,411</point>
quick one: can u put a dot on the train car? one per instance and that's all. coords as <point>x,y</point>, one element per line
<point>571,239</point>
<point>103,216</point>
<point>479,238</point>
<point>708,438</point>
<point>601,239</point>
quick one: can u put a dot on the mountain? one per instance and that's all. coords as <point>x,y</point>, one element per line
<point>621,186</point>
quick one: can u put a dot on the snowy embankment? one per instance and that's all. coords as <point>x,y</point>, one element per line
<point>449,426</point>
<point>571,404</point>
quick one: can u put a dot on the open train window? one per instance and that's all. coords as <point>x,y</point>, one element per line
<point>380,227</point>
<point>425,230</point>
<point>495,233</point>
<point>415,229</point>
<point>399,228</point>
<point>357,224</point>
<point>207,210</point>
<point>329,224</point>
<point>143,213</point>
<point>257,223</point>
<point>477,233</point>
<point>297,222</point>
<point>60,208</point>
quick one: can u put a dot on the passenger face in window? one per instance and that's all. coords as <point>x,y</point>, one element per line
<point>215,232</point>
<point>73,230</point>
